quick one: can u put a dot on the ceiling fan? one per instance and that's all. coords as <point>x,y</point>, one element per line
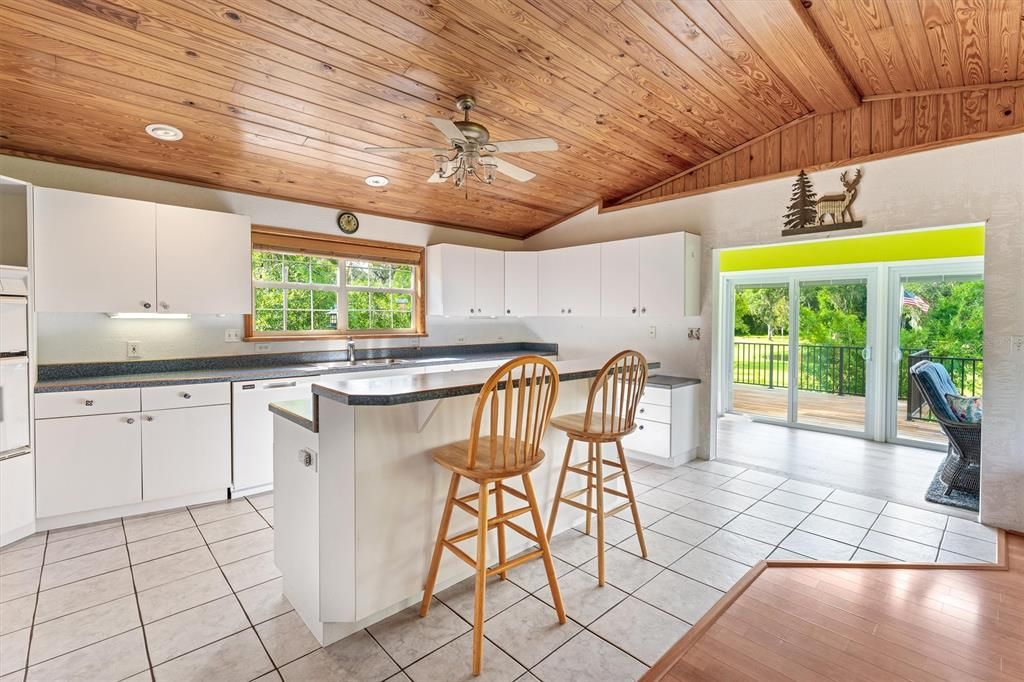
<point>470,151</point>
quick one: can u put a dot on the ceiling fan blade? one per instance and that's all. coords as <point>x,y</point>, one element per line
<point>447,128</point>
<point>388,150</point>
<point>512,170</point>
<point>538,144</point>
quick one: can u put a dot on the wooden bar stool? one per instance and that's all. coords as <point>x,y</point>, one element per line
<point>516,402</point>
<point>611,409</point>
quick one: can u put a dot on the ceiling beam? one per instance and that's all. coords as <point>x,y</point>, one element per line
<point>787,38</point>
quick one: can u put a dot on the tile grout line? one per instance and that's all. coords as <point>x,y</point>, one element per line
<point>235,595</point>
<point>138,608</point>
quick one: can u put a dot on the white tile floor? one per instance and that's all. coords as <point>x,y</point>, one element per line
<point>193,594</point>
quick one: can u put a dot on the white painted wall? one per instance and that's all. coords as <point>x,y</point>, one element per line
<point>95,337</point>
<point>978,182</point>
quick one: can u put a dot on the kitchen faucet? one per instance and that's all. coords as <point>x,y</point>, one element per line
<point>351,346</point>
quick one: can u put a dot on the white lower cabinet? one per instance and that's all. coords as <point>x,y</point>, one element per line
<point>85,463</point>
<point>185,450</point>
<point>666,425</point>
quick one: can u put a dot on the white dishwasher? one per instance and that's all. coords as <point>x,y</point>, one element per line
<point>252,428</point>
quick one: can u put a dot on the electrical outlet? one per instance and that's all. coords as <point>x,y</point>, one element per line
<point>134,349</point>
<point>232,335</point>
<point>460,339</point>
<point>694,334</point>
<point>1017,344</point>
<point>652,332</point>
<point>262,348</point>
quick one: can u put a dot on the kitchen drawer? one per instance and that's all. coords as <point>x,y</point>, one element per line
<point>654,413</point>
<point>650,437</point>
<point>81,403</point>
<point>656,396</point>
<point>185,395</point>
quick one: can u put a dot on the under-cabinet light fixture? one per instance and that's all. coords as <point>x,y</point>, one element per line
<point>149,316</point>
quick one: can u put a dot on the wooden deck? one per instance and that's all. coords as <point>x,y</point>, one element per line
<point>799,621</point>
<point>825,409</point>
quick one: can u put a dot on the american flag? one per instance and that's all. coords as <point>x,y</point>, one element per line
<point>915,301</point>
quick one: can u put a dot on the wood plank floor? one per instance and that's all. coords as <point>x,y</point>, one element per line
<point>825,409</point>
<point>893,472</point>
<point>839,623</point>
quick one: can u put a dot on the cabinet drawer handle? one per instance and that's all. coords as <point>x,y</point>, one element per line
<point>186,396</point>
<point>130,420</point>
<point>88,403</point>
<point>147,305</point>
<point>307,457</point>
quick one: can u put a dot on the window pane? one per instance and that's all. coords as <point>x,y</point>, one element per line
<point>401,301</point>
<point>357,276</point>
<point>401,277</point>
<point>380,276</point>
<point>269,298</point>
<point>268,321</point>
<point>358,319</point>
<point>359,300</point>
<point>300,320</point>
<point>300,299</point>
<point>403,320</point>
<point>380,320</point>
<point>323,271</point>
<point>298,268</point>
<point>267,266</point>
<point>325,320</point>
<point>325,300</point>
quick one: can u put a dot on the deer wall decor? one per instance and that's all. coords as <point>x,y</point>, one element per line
<point>839,207</point>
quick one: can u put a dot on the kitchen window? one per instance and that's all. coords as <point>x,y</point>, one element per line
<point>306,285</point>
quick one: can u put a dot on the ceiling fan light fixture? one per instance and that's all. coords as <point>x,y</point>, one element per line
<point>376,180</point>
<point>164,132</point>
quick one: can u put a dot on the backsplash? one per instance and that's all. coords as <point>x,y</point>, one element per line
<point>95,337</point>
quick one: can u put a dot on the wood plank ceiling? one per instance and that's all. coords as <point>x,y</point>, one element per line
<point>281,98</point>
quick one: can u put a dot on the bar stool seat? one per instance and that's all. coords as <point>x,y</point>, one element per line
<point>610,415</point>
<point>453,456</point>
<point>510,418</point>
<point>575,425</point>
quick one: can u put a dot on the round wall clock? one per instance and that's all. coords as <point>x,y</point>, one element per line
<point>348,222</point>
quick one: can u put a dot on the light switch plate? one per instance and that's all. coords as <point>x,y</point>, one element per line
<point>134,350</point>
<point>652,332</point>
<point>262,348</point>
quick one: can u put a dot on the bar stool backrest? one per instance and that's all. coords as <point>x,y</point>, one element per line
<point>516,402</point>
<point>615,394</point>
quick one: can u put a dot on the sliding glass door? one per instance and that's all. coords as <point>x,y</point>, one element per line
<point>937,314</point>
<point>799,349</point>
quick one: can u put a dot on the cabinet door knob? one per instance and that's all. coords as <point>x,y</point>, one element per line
<point>570,311</point>
<point>641,427</point>
<point>508,311</point>
<point>563,311</point>
<point>642,410</point>
<point>148,418</point>
<point>147,305</point>
<point>306,457</point>
<point>163,304</point>
<point>643,311</point>
<point>186,396</point>
<point>634,310</point>
<point>130,420</point>
<point>471,310</point>
<point>88,403</point>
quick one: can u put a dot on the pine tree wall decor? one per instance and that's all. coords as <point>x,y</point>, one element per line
<point>807,213</point>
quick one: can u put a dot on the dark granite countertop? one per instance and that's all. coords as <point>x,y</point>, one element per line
<point>301,411</point>
<point>667,381</point>
<point>108,375</point>
<point>398,390</point>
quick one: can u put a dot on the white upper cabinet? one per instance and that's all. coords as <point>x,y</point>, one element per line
<point>463,281</point>
<point>521,283</point>
<point>620,278</point>
<point>105,254</point>
<point>489,282</point>
<point>203,261</point>
<point>93,253</point>
<point>570,281</point>
<point>669,275</point>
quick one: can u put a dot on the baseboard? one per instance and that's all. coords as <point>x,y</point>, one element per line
<point>16,534</point>
<point>108,513</point>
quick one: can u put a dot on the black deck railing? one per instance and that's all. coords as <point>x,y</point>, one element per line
<point>841,370</point>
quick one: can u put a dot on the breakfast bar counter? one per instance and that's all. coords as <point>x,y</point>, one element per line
<point>358,499</point>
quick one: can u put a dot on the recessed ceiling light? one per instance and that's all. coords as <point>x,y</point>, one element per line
<point>165,132</point>
<point>376,181</point>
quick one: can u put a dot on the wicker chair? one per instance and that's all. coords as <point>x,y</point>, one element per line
<point>962,468</point>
